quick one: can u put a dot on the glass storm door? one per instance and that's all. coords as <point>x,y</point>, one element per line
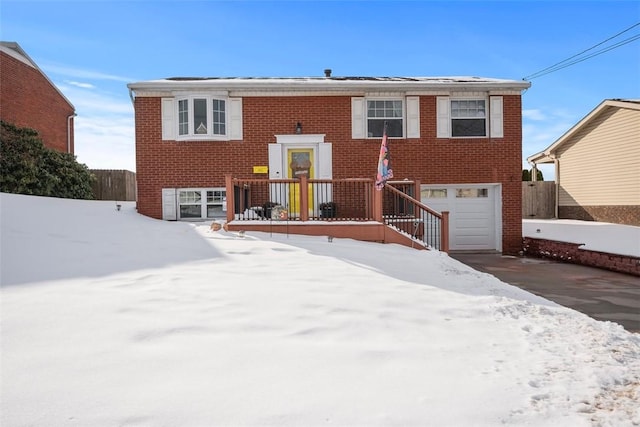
<point>299,163</point>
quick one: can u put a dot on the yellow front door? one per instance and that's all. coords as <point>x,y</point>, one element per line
<point>299,163</point>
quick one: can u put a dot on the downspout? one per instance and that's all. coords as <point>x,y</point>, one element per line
<point>534,171</point>
<point>556,164</point>
<point>69,132</point>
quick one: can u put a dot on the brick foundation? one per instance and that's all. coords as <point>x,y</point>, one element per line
<point>628,215</point>
<point>571,253</point>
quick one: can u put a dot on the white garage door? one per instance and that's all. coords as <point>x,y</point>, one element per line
<point>474,214</point>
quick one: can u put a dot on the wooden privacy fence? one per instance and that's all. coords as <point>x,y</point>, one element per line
<point>114,185</point>
<point>538,199</point>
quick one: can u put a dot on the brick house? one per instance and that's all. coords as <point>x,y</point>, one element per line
<point>459,137</point>
<point>29,99</point>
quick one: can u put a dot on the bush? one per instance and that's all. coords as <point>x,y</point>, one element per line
<point>526,175</point>
<point>28,167</point>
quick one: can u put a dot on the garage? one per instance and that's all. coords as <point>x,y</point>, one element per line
<point>474,214</point>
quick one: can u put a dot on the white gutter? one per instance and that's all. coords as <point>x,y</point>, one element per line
<point>69,132</point>
<point>556,163</point>
<point>331,84</point>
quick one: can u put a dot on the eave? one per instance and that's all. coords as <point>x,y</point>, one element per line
<point>330,84</point>
<point>548,154</point>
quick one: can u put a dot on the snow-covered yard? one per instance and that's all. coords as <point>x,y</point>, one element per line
<point>110,318</point>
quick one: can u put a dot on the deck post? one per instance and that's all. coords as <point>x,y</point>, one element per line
<point>416,195</point>
<point>444,232</point>
<point>304,198</point>
<point>231,204</point>
<point>377,204</point>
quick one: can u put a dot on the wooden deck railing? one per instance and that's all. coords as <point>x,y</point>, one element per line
<point>300,199</point>
<point>407,214</point>
<point>352,199</point>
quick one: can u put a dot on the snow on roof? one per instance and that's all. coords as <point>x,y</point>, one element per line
<point>346,78</point>
<point>330,83</point>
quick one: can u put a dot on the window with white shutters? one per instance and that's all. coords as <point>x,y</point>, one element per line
<point>469,117</point>
<point>201,117</point>
<point>402,115</point>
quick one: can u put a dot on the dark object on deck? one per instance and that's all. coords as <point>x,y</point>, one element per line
<point>328,210</point>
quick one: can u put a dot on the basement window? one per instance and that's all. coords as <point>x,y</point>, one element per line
<point>202,203</point>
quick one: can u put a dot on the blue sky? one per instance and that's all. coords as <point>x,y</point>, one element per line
<point>92,49</point>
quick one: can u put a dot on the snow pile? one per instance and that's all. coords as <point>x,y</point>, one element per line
<point>111,318</point>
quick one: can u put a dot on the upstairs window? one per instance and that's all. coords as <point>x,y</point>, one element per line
<point>380,111</point>
<point>468,118</point>
<point>202,117</point>
<point>368,115</point>
<point>476,117</point>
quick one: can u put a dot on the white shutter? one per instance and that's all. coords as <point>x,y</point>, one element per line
<point>325,166</point>
<point>169,202</point>
<point>443,117</point>
<point>275,161</point>
<point>357,118</point>
<point>168,119</point>
<point>495,114</point>
<point>413,117</point>
<point>235,121</point>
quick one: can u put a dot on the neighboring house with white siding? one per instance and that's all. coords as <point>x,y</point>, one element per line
<point>597,165</point>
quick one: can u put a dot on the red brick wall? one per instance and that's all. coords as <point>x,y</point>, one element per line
<point>27,99</point>
<point>169,164</point>
<point>571,253</point>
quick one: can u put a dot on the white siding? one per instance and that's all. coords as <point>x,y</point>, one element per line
<point>600,164</point>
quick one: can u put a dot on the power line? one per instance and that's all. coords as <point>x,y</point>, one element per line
<point>568,62</point>
<point>565,65</point>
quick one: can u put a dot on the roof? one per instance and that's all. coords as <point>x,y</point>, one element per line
<point>14,50</point>
<point>548,154</point>
<point>329,83</point>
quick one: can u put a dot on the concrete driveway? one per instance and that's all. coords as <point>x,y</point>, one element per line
<point>601,294</point>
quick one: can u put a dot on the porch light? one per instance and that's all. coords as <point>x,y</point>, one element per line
<point>299,128</point>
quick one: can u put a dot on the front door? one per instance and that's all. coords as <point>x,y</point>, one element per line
<point>299,163</point>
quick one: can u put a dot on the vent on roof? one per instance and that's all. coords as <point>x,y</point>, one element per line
<point>327,72</point>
